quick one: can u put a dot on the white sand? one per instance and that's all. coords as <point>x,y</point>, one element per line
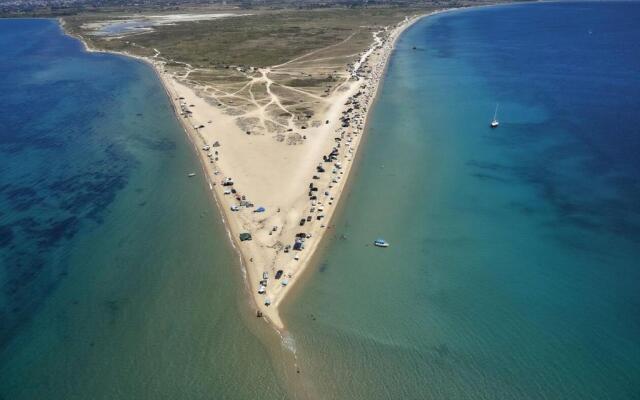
<point>277,177</point>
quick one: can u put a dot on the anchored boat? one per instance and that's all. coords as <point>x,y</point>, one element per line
<point>495,123</point>
<point>380,243</point>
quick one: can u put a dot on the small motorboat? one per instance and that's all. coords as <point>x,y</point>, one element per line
<point>191,175</point>
<point>380,243</point>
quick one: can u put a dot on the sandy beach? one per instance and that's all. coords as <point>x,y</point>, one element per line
<point>277,199</point>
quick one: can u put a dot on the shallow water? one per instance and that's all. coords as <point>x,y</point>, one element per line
<point>117,279</point>
<point>512,271</point>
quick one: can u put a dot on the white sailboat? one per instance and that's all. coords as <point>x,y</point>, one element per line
<point>495,123</point>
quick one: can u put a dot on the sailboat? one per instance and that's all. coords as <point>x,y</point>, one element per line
<point>495,123</point>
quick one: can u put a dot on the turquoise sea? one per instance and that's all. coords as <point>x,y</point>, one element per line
<point>117,280</point>
<point>513,269</point>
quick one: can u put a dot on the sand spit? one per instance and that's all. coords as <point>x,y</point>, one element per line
<point>277,197</point>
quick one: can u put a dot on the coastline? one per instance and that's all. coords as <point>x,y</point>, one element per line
<point>340,205</point>
<point>491,287</point>
<point>250,255</point>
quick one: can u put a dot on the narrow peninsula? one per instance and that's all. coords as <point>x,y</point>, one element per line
<point>275,104</point>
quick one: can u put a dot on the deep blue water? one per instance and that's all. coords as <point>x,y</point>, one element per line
<point>513,269</point>
<point>60,169</point>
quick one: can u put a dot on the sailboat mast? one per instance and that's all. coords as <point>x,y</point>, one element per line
<point>495,123</point>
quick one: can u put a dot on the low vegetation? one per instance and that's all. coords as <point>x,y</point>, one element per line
<point>241,63</point>
<point>264,38</point>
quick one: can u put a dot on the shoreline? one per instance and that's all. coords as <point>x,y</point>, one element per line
<point>323,244</point>
<point>177,93</point>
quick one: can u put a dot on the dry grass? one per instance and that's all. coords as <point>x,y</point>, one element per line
<point>306,52</point>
